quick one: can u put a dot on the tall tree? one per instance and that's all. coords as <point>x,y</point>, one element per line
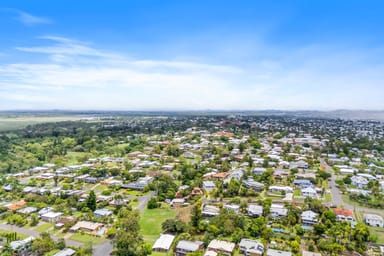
<point>91,201</point>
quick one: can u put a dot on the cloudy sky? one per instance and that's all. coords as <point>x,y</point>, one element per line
<point>191,55</point>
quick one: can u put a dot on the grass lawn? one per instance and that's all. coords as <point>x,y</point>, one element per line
<point>44,227</point>
<point>101,187</point>
<point>85,238</point>
<point>151,220</point>
<point>328,197</point>
<point>158,254</point>
<point>325,184</point>
<point>297,192</point>
<point>379,232</point>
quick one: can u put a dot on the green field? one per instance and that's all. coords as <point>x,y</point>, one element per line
<point>379,232</point>
<point>151,220</point>
<point>44,227</point>
<point>18,122</point>
<point>84,238</point>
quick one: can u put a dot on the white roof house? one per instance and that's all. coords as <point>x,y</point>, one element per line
<point>220,246</point>
<point>373,220</point>
<point>163,243</point>
<point>65,252</point>
<point>309,192</point>
<point>286,189</point>
<point>278,210</point>
<point>209,185</point>
<point>184,247</point>
<point>251,247</point>
<point>100,213</point>
<point>254,210</point>
<point>51,216</point>
<point>272,252</point>
<point>359,181</point>
<point>309,217</point>
<point>346,171</point>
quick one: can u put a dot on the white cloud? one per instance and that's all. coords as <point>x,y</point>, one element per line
<point>30,20</point>
<point>76,75</point>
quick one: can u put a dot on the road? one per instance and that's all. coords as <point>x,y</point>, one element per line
<point>31,232</point>
<point>143,200</point>
<point>337,198</point>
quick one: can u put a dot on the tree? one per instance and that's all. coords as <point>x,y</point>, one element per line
<point>34,219</point>
<point>43,244</point>
<point>60,244</point>
<point>196,215</point>
<point>91,201</point>
<point>128,241</point>
<point>152,203</point>
<point>174,226</point>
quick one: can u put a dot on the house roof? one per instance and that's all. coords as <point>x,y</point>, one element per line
<point>189,245</point>
<point>343,212</point>
<point>221,245</point>
<point>65,252</point>
<point>272,252</point>
<point>372,217</point>
<point>164,242</point>
<point>52,214</point>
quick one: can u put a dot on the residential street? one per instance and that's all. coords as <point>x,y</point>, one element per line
<point>35,233</point>
<point>337,198</point>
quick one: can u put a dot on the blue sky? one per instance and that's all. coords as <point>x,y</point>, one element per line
<point>191,55</point>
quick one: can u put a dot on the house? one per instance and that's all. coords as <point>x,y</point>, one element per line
<point>27,210</point>
<point>87,226</point>
<point>346,171</point>
<point>309,192</point>
<point>223,247</point>
<point>278,211</point>
<point>309,218</point>
<point>91,180</point>
<point>299,164</point>
<point>16,206</point>
<point>254,210</point>
<point>307,253</point>
<point>343,214</point>
<point>259,171</point>
<point>251,184</point>
<point>373,220</point>
<point>184,247</point>
<point>51,216</point>
<point>280,189</point>
<point>44,211</point>
<point>177,202</point>
<point>359,181</point>
<point>210,211</point>
<point>302,183</point>
<point>101,213</point>
<point>196,191</point>
<point>22,247</point>
<point>251,247</point>
<point>163,243</point>
<point>273,252</point>
<point>65,252</point>
<point>8,188</point>
<point>208,185</point>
